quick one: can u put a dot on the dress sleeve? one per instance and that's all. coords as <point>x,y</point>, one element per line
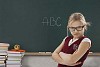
<point>86,40</point>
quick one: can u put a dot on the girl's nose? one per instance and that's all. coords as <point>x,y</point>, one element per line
<point>75,30</point>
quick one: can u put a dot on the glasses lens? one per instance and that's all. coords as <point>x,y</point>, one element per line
<point>79,28</point>
<point>71,28</point>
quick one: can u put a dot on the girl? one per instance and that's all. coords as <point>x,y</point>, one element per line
<point>74,49</point>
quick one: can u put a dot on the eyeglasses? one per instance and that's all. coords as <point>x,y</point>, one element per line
<point>79,28</point>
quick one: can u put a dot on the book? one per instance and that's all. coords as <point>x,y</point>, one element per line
<point>4,44</point>
<point>3,48</point>
<point>14,58</point>
<point>13,62</point>
<point>2,65</point>
<point>13,65</point>
<point>3,53</point>
<point>2,57</point>
<point>2,62</point>
<point>14,54</point>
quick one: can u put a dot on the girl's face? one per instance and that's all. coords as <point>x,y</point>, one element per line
<point>77,29</point>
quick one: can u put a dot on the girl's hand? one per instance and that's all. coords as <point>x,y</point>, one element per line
<point>62,55</point>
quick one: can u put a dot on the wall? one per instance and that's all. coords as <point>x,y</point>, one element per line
<point>46,61</point>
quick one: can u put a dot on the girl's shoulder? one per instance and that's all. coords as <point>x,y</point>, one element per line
<point>67,37</point>
<point>86,40</point>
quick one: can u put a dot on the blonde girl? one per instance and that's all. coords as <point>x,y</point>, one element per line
<point>74,49</point>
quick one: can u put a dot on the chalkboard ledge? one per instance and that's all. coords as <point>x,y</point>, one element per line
<point>39,53</point>
<point>49,54</point>
<point>94,54</point>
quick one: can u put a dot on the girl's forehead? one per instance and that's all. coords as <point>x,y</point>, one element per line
<point>76,23</point>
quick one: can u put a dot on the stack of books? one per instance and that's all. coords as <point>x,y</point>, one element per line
<point>3,53</point>
<point>14,58</point>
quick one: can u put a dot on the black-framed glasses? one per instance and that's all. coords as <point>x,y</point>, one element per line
<point>79,28</point>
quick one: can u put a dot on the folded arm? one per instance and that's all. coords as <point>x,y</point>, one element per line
<point>73,58</point>
<point>55,54</point>
<point>70,59</point>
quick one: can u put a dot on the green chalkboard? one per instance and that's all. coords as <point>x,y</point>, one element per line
<point>40,25</point>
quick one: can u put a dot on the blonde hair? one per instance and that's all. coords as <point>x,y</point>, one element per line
<point>78,17</point>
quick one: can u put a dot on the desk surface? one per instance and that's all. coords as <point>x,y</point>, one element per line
<point>49,54</point>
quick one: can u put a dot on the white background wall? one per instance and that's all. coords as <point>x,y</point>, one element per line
<point>47,61</point>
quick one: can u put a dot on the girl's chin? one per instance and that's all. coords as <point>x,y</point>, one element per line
<point>75,36</point>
